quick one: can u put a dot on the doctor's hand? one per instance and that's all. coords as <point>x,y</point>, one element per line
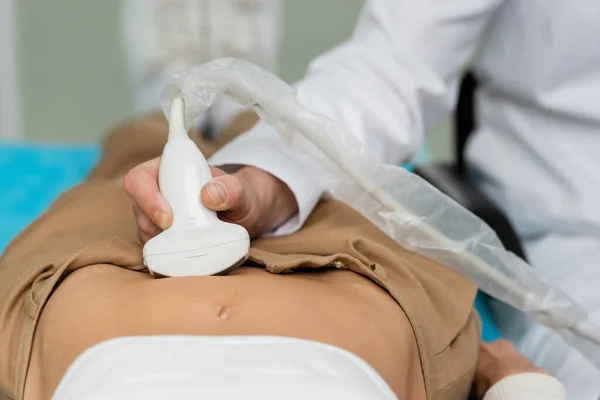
<point>249,197</point>
<point>499,360</point>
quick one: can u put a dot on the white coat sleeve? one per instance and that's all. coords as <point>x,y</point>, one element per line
<point>528,386</point>
<point>391,82</point>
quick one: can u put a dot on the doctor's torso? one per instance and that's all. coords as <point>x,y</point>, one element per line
<point>537,147</point>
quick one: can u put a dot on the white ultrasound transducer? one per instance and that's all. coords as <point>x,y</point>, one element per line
<point>198,243</point>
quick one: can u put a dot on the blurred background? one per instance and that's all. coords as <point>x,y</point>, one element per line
<point>70,81</point>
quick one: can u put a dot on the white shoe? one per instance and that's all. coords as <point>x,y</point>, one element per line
<point>164,36</point>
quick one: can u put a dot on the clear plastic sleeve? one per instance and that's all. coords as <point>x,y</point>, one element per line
<point>408,209</point>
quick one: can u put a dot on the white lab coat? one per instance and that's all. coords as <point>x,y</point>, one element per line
<point>538,143</point>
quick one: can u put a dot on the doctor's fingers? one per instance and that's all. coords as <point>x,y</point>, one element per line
<point>146,228</point>
<point>141,184</point>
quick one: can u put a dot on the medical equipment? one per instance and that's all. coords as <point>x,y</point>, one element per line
<point>198,242</point>
<point>406,208</point>
<point>220,368</point>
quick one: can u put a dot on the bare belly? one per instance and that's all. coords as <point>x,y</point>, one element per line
<point>337,307</point>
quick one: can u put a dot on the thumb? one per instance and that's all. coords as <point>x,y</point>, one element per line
<point>230,195</point>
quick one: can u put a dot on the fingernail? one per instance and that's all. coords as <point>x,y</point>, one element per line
<point>217,193</point>
<point>160,218</point>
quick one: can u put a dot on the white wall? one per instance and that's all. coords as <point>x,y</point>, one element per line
<point>10,116</point>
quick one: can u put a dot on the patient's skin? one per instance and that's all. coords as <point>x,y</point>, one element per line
<point>337,307</point>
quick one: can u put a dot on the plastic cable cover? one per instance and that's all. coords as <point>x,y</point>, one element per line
<point>408,209</point>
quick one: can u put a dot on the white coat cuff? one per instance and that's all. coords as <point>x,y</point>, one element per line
<point>262,148</point>
<point>528,386</point>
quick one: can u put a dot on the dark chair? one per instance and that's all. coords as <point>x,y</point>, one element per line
<point>453,180</point>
